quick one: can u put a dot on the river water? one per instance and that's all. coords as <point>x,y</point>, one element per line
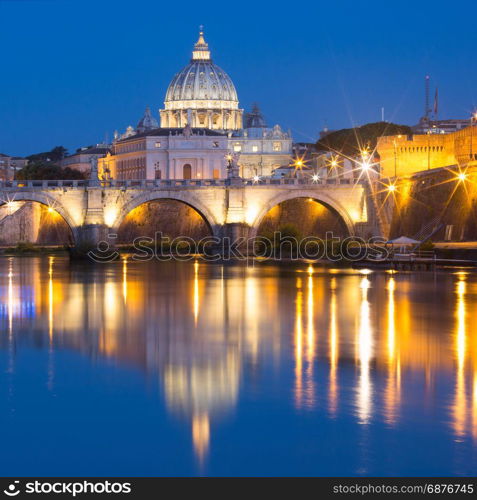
<point>194,368</point>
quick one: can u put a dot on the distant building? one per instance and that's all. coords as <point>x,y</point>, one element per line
<point>261,149</point>
<point>9,165</point>
<point>440,126</point>
<point>166,153</point>
<point>406,155</point>
<point>81,160</point>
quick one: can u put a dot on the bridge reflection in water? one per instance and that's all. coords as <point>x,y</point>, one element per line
<point>370,345</point>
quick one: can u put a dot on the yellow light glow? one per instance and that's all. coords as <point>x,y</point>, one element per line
<point>365,166</point>
<point>50,298</point>
<point>125,280</point>
<point>365,346</point>
<point>462,176</point>
<point>10,298</point>
<point>392,188</point>
<point>196,292</point>
<point>251,214</point>
<point>299,163</point>
<point>459,407</point>
<point>110,214</point>
<point>334,348</point>
<point>51,210</point>
<point>201,434</point>
<point>391,320</point>
<point>364,154</point>
<point>298,337</point>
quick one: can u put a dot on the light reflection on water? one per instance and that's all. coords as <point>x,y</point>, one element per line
<point>354,372</point>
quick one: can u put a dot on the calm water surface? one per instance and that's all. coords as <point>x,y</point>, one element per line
<point>202,369</point>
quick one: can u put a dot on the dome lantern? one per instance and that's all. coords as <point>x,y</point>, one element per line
<point>201,50</point>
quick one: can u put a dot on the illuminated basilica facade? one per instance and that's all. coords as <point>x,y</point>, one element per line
<point>200,124</point>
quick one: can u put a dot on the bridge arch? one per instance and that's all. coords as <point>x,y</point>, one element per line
<point>44,199</point>
<point>186,198</point>
<point>323,198</point>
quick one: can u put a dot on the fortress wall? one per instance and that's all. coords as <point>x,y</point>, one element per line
<point>435,198</point>
<point>414,154</point>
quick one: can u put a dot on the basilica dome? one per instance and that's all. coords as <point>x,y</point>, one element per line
<point>201,81</point>
<point>201,95</point>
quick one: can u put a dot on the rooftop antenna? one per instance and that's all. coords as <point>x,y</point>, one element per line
<point>426,108</point>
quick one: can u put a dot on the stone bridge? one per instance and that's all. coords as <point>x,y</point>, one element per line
<point>95,209</point>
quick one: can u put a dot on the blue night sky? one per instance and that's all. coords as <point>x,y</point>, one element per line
<point>73,72</point>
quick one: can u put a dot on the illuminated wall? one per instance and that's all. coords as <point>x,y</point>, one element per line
<point>403,155</point>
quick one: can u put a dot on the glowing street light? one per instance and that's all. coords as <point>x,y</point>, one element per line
<point>462,176</point>
<point>365,166</point>
<point>256,178</point>
<point>298,164</point>
<point>391,188</point>
<point>364,153</point>
<point>315,178</point>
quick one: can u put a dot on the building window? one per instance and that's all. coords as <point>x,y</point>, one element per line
<point>254,149</point>
<point>277,146</point>
<point>158,174</point>
<point>237,148</point>
<point>216,173</point>
<point>157,145</point>
<point>187,171</point>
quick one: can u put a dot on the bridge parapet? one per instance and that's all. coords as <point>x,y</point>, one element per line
<point>91,209</point>
<point>160,183</point>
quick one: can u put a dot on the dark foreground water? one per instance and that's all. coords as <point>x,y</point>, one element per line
<point>193,368</point>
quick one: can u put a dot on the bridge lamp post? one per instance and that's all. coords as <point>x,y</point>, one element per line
<point>298,163</point>
<point>315,177</point>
